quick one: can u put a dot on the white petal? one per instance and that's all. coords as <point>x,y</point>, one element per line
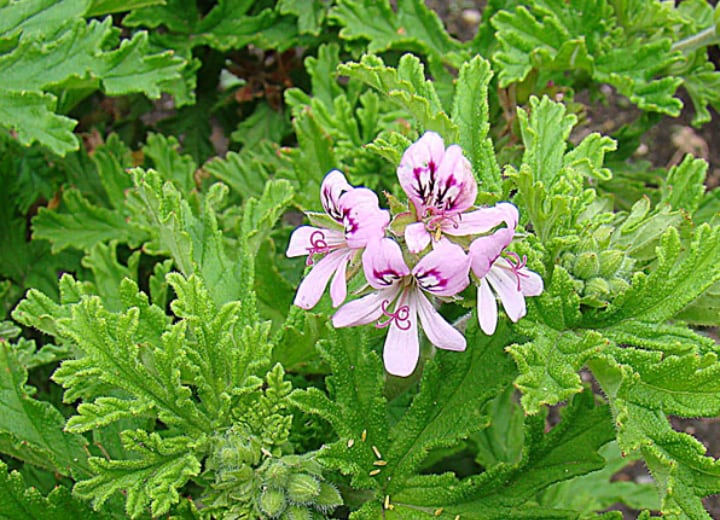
<point>338,287</point>
<point>531,284</point>
<point>303,238</point>
<point>455,188</point>
<point>402,347</point>
<point>483,220</point>
<point>486,308</point>
<point>362,217</point>
<point>333,186</point>
<point>439,332</point>
<point>416,237</point>
<point>363,311</point>
<point>383,263</point>
<point>484,251</point>
<point>444,270</point>
<point>312,287</point>
<point>418,167</point>
<point>504,283</point>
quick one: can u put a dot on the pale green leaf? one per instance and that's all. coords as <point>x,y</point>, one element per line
<point>32,430</point>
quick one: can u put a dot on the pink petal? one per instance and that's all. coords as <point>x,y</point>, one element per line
<point>531,284</point>
<point>312,287</point>
<point>417,169</point>
<point>416,237</point>
<point>444,270</point>
<point>333,186</point>
<point>362,217</point>
<point>383,263</point>
<point>485,250</point>
<point>504,283</point>
<point>486,308</point>
<point>455,188</point>
<point>338,287</point>
<point>402,347</point>
<point>439,332</point>
<point>364,310</point>
<point>301,240</point>
<point>482,220</point>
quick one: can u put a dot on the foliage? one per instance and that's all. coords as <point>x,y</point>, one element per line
<point>156,157</point>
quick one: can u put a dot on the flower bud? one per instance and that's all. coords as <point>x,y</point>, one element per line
<point>610,262</point>
<point>303,488</point>
<point>277,474</point>
<point>272,502</point>
<point>597,287</point>
<point>587,265</point>
<point>298,513</point>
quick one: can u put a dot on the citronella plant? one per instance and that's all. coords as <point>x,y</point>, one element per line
<point>349,266</point>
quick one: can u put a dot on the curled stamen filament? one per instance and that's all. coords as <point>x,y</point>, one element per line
<point>318,245</point>
<point>401,316</point>
<point>516,266</point>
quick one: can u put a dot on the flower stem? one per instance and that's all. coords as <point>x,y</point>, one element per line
<point>692,43</point>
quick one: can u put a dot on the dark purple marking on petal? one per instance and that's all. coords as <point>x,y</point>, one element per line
<point>515,265</point>
<point>431,279</point>
<point>423,188</point>
<point>386,276</point>
<point>330,204</point>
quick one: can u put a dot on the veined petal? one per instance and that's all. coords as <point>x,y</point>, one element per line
<point>455,188</point>
<point>333,186</point>
<point>362,217</point>
<point>309,239</point>
<point>504,283</point>
<point>383,263</point>
<point>444,270</point>
<point>485,250</point>
<point>338,287</point>
<point>531,284</point>
<point>418,167</point>
<point>402,345</point>
<point>483,220</point>
<point>439,332</point>
<point>364,310</point>
<point>417,237</point>
<point>312,287</point>
<point>486,308</point>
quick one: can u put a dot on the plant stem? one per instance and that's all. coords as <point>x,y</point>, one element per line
<point>692,43</point>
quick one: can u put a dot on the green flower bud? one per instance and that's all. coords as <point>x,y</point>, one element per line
<point>272,502</point>
<point>598,287</point>
<point>277,474</point>
<point>329,497</point>
<point>610,262</point>
<point>618,285</point>
<point>298,513</point>
<point>587,265</point>
<point>303,488</point>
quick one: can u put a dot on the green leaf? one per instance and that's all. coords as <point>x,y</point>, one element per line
<point>408,87</point>
<point>30,115</point>
<point>109,273</point>
<point>101,7</point>
<point>32,430</point>
<point>82,226</point>
<point>413,27</point>
<point>679,277</point>
<point>20,501</point>
<point>356,408</point>
<point>549,364</point>
<point>166,465</point>
<point>39,16</point>
<point>453,391</point>
<point>264,123</point>
<point>260,215</point>
<point>470,114</point>
<point>545,131</point>
<point>310,18</point>
<point>246,171</point>
<point>685,184</point>
<point>169,163</point>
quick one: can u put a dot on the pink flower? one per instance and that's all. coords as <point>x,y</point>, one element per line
<point>505,276</point>
<point>440,184</point>
<point>400,297</point>
<point>359,220</point>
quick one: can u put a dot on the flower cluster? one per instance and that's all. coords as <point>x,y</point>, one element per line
<point>444,245</point>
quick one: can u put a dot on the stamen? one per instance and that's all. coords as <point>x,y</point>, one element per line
<point>516,266</point>
<point>401,317</point>
<point>318,245</point>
